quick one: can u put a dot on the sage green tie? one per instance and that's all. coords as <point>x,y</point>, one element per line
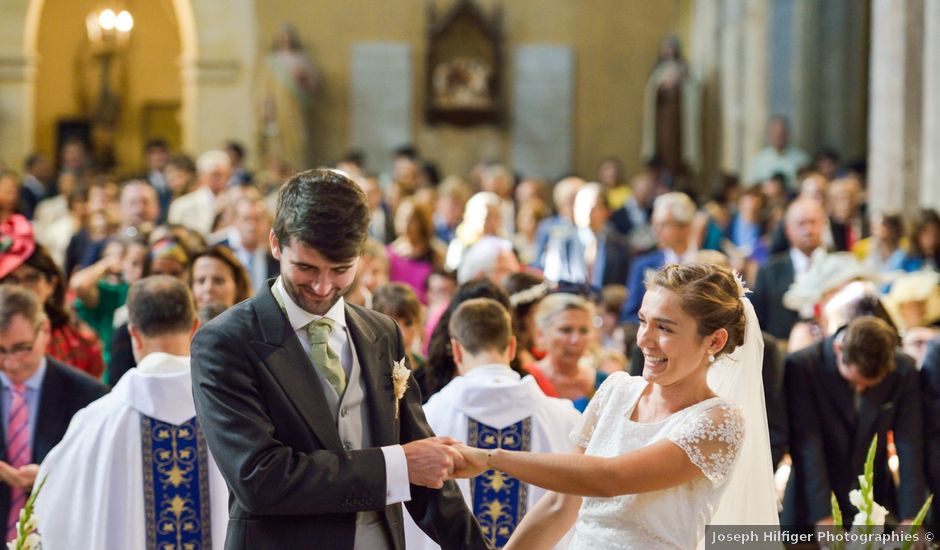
<point>323,356</point>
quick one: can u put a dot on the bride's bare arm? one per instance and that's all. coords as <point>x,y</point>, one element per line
<point>547,522</point>
<point>658,466</point>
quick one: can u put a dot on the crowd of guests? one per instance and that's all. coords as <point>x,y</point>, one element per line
<point>567,259</point>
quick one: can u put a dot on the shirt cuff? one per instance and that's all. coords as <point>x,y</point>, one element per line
<point>397,488</point>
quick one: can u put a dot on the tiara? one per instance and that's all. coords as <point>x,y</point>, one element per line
<point>529,295</point>
<point>742,286</point>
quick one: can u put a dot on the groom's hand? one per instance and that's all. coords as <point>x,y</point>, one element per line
<point>432,460</point>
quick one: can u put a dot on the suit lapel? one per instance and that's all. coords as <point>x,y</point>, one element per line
<point>50,413</point>
<point>285,358</point>
<point>376,368</point>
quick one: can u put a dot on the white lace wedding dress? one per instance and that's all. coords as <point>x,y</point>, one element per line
<point>710,432</point>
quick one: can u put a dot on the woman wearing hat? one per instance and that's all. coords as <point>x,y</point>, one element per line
<point>24,263</point>
<point>811,291</point>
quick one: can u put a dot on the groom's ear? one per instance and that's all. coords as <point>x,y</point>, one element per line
<point>275,245</point>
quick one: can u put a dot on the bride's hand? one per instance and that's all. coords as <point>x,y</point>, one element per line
<point>476,462</point>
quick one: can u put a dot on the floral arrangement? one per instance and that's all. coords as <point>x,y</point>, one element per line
<point>27,537</point>
<point>870,519</point>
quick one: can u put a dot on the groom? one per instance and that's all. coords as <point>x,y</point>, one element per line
<point>318,442</point>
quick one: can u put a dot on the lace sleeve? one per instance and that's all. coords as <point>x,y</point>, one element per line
<point>584,429</point>
<point>712,439</point>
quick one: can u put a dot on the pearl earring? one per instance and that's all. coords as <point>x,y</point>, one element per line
<point>711,356</point>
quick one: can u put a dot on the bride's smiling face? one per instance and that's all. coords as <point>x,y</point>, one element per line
<point>672,349</point>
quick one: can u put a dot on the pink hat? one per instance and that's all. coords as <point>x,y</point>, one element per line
<point>16,243</point>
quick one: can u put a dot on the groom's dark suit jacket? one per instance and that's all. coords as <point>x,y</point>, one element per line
<point>269,428</point>
<point>829,438</point>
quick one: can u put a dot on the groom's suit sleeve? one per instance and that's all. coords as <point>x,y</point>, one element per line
<point>254,434</point>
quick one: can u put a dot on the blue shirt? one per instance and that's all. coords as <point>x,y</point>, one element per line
<point>33,393</point>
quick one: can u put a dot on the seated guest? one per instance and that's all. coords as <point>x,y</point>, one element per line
<point>489,405</point>
<point>101,288</point>
<point>673,214</point>
<point>565,325</point>
<point>491,257</point>
<point>40,396</point>
<point>27,264</point>
<point>416,252</point>
<point>840,393</point>
<point>218,277</point>
<point>145,426</point>
<point>400,302</point>
<point>247,236</point>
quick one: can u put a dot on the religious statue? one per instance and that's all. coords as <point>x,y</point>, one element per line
<point>288,82</point>
<point>671,113</point>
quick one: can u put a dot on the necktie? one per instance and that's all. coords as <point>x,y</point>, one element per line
<point>323,357</point>
<point>18,451</point>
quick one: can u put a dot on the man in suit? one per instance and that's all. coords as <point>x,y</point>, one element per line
<point>197,210</point>
<point>606,250</point>
<point>316,426</point>
<point>673,214</point>
<point>39,397</point>
<point>803,223</point>
<point>840,393</point>
<point>247,237</point>
<point>930,385</point>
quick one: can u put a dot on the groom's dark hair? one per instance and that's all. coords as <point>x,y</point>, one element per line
<point>324,210</point>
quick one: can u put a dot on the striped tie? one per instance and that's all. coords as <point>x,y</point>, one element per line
<point>18,451</point>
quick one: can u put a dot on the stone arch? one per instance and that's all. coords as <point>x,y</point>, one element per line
<point>218,52</point>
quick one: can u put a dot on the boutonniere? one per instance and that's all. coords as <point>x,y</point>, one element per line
<point>400,375</point>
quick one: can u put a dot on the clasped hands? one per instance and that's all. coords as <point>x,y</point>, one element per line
<point>434,460</point>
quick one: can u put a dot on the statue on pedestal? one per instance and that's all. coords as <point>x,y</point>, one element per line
<point>288,83</point>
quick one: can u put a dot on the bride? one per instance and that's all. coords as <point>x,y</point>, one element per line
<point>654,455</point>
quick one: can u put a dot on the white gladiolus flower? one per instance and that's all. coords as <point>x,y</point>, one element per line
<point>861,481</point>
<point>31,525</point>
<point>33,542</point>
<point>856,498</point>
<point>878,514</point>
<point>860,518</point>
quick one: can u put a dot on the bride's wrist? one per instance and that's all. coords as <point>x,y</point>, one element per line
<point>490,455</point>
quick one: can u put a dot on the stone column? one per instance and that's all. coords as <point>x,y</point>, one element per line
<point>895,108</point>
<point>930,149</point>
<point>17,78</point>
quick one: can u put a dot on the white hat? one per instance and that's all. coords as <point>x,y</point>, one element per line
<point>826,274</point>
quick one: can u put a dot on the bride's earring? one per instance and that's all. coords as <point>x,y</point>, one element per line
<point>711,356</point>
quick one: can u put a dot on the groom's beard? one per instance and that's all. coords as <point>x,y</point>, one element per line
<point>310,302</point>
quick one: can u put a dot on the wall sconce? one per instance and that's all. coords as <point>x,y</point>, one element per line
<point>109,31</point>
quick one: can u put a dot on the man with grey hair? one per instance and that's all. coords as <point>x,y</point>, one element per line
<point>197,210</point>
<point>553,234</point>
<point>39,397</point>
<point>140,430</point>
<point>804,222</point>
<point>673,214</point>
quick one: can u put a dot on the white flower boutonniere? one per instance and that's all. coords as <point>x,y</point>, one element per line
<point>400,375</point>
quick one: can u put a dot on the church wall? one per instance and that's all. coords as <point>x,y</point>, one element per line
<point>614,43</point>
<point>67,81</point>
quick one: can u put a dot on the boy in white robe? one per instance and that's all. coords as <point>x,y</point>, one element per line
<point>489,404</point>
<point>98,494</point>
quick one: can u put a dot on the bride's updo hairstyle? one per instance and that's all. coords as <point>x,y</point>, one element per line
<point>708,293</point>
